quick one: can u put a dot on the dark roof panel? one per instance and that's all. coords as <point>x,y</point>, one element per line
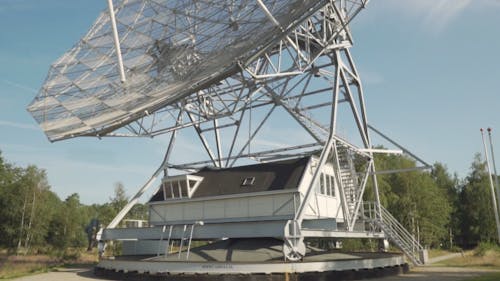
<point>268,176</point>
<point>279,175</point>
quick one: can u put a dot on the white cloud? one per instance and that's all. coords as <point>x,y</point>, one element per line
<point>19,125</point>
<point>434,15</point>
<point>20,86</point>
<point>444,12</point>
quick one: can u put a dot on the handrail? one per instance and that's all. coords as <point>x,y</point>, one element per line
<point>401,228</point>
<point>394,230</point>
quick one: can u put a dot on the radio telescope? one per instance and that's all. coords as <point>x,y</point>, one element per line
<point>230,72</point>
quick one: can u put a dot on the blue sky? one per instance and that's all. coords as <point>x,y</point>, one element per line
<point>430,69</point>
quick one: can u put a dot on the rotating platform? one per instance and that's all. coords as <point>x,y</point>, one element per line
<point>251,259</point>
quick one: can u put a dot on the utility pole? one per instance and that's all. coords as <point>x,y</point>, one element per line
<point>495,208</point>
<point>494,166</point>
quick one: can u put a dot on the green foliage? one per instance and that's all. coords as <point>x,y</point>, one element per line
<point>139,212</point>
<point>359,245</point>
<point>35,220</point>
<point>104,212</point>
<point>68,225</point>
<point>71,254</point>
<point>435,206</point>
<point>484,247</point>
<point>120,199</point>
<point>455,249</point>
<point>25,206</point>
<point>418,199</point>
<point>476,214</point>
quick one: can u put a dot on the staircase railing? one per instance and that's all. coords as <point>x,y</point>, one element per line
<point>348,177</point>
<point>396,233</point>
<point>349,183</point>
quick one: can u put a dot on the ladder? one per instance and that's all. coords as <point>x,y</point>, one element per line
<point>184,238</point>
<point>348,178</point>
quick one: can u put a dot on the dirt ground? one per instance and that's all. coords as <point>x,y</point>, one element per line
<point>416,274</point>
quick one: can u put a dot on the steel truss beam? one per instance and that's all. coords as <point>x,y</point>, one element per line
<point>307,73</point>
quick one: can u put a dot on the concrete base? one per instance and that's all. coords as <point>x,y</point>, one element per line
<point>251,259</point>
<point>283,276</point>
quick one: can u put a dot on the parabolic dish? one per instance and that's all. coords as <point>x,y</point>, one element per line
<point>170,49</point>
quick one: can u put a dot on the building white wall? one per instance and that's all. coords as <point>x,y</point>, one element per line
<point>259,206</point>
<point>262,206</point>
<point>320,205</point>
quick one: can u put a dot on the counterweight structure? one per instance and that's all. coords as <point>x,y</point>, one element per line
<point>225,71</point>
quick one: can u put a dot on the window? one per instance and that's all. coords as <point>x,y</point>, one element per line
<point>322,183</point>
<point>326,185</point>
<point>332,185</point>
<point>175,189</point>
<point>248,181</point>
<point>178,187</point>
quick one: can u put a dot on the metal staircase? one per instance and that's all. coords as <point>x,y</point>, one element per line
<point>316,130</point>
<point>348,178</point>
<point>396,233</point>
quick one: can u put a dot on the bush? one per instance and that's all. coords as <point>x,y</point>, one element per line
<point>65,255</point>
<point>485,247</point>
<point>359,245</point>
<point>456,249</point>
<point>71,255</point>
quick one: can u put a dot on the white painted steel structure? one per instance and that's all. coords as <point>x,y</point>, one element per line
<point>223,69</point>
<point>492,186</point>
<point>216,268</point>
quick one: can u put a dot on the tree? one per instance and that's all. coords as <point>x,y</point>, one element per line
<point>11,197</point>
<point>414,198</point>
<point>120,198</point>
<point>477,216</point>
<point>67,228</point>
<point>139,212</point>
<point>451,187</point>
<point>39,210</point>
<point>33,218</point>
<point>25,206</point>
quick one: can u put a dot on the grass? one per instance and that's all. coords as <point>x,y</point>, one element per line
<point>489,259</point>
<point>433,253</point>
<point>12,266</point>
<point>16,266</point>
<point>479,258</point>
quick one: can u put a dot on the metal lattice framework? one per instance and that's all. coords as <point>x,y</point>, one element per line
<point>170,49</point>
<point>309,74</point>
<point>222,69</point>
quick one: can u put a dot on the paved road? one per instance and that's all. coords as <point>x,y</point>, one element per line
<point>437,274</point>
<point>64,274</point>
<point>417,274</point>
